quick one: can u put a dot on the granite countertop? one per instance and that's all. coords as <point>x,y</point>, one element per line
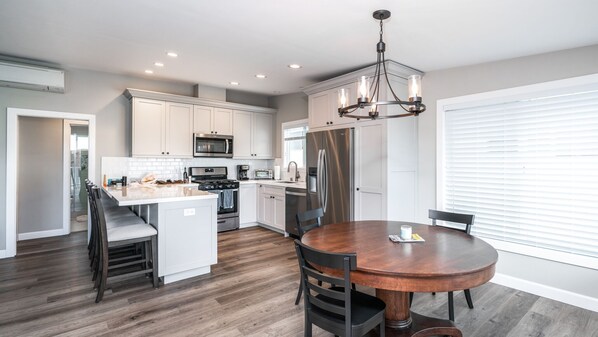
<point>140,194</point>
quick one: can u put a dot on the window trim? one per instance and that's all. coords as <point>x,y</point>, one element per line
<point>287,125</point>
<point>521,92</point>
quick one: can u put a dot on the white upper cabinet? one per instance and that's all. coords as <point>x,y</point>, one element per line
<point>208,120</point>
<point>262,136</point>
<point>164,124</point>
<point>323,108</point>
<point>161,128</point>
<point>253,135</point>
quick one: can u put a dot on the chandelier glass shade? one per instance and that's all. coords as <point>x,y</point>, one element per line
<point>368,89</point>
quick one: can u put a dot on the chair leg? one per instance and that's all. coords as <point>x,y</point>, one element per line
<point>468,298</point>
<point>103,279</point>
<point>307,329</point>
<point>299,292</point>
<point>383,328</point>
<point>410,299</point>
<point>451,307</point>
<point>155,261</point>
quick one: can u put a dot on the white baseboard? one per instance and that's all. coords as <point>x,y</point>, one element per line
<point>3,254</point>
<point>248,224</point>
<point>565,296</point>
<point>41,234</point>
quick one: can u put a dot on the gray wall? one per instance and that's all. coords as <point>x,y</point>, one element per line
<point>87,92</point>
<point>494,76</point>
<point>39,181</point>
<point>248,98</point>
<point>291,107</point>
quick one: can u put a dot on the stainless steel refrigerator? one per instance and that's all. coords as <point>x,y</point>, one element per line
<point>330,170</point>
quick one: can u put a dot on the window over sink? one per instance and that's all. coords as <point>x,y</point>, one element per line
<point>294,142</point>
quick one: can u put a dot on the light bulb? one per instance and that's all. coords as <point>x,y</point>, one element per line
<point>415,88</point>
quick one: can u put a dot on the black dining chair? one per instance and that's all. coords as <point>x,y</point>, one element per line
<point>338,309</point>
<point>460,222</point>
<point>307,221</point>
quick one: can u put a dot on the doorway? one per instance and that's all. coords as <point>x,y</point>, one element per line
<point>76,167</point>
<point>12,137</point>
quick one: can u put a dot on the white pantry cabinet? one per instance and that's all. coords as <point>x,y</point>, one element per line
<point>253,135</point>
<point>161,128</point>
<point>271,206</point>
<point>209,120</point>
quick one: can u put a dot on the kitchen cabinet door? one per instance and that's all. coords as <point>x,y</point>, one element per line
<point>222,121</point>
<point>148,127</point>
<point>262,136</point>
<point>202,119</point>
<point>248,204</point>
<point>179,130</point>
<point>319,106</point>
<point>242,130</point>
<point>279,212</point>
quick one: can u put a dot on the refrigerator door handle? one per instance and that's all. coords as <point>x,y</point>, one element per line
<point>319,179</point>
<point>325,179</point>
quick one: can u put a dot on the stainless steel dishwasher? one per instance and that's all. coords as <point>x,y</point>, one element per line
<point>295,202</point>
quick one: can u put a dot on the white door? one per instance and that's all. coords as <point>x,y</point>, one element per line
<point>242,134</point>
<point>202,119</point>
<point>222,121</point>
<point>262,135</point>
<point>148,127</point>
<point>179,132</point>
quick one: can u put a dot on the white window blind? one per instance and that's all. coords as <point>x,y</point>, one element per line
<point>527,169</point>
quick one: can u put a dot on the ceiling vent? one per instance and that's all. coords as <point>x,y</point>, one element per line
<point>23,76</point>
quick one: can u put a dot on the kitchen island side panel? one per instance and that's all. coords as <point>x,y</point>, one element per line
<point>187,241</point>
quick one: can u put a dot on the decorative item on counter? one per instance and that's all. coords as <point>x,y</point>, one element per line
<point>277,172</point>
<point>148,179</point>
<point>123,180</point>
<point>185,176</point>
<point>105,181</point>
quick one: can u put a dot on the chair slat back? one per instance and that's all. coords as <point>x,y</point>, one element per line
<point>100,223</point>
<point>458,218</point>
<point>320,296</point>
<point>309,220</point>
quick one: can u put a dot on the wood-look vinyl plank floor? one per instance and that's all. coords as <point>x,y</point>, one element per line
<point>47,291</point>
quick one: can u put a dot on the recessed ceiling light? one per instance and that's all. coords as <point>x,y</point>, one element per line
<point>234,83</point>
<point>149,71</point>
<point>172,54</point>
<point>294,66</point>
<point>262,76</point>
<point>159,64</point>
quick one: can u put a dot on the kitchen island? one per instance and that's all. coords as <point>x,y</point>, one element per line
<point>185,218</point>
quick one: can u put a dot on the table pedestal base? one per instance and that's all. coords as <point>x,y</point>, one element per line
<point>400,321</point>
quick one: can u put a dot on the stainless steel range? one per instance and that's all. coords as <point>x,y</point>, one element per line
<point>214,180</point>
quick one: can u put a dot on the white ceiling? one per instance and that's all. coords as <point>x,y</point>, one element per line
<point>232,40</point>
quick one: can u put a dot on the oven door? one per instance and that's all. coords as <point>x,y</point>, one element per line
<point>228,203</point>
<point>205,145</point>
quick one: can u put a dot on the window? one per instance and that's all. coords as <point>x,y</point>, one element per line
<point>525,162</point>
<point>293,142</point>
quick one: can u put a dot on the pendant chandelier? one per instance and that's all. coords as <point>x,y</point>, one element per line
<point>368,89</point>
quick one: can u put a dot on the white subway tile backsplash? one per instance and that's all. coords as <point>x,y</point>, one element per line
<point>171,168</point>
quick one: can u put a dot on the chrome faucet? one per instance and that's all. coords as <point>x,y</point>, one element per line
<point>297,176</point>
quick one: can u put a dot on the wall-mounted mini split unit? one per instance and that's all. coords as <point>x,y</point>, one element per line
<point>24,76</point>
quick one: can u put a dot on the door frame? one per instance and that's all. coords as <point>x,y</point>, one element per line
<point>66,171</point>
<point>12,136</point>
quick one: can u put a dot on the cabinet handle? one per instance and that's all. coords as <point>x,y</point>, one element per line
<point>167,152</point>
<point>162,152</point>
<point>216,132</point>
<point>330,123</point>
<point>358,188</point>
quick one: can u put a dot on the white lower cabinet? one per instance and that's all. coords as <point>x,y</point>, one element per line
<point>247,204</point>
<point>271,206</point>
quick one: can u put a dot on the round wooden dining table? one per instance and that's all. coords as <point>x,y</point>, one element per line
<point>448,260</point>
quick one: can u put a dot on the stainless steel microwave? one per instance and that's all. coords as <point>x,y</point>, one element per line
<point>211,145</point>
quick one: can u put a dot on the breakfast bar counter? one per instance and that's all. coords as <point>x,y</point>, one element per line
<point>185,218</point>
